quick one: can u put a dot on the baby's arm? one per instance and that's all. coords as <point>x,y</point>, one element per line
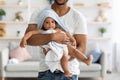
<point>28,35</point>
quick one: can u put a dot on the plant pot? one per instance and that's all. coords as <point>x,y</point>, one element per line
<point>1,17</point>
<point>102,34</point>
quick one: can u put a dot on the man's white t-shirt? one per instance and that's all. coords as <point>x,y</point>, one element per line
<point>76,23</point>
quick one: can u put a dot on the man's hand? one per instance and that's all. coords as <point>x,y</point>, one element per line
<point>60,37</point>
<point>74,43</point>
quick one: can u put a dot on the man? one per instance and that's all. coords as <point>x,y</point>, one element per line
<point>76,24</point>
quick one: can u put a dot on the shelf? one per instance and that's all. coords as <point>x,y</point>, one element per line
<point>35,6</point>
<point>99,7</point>
<point>98,23</point>
<point>13,6</point>
<point>10,38</point>
<point>13,22</point>
<point>99,38</point>
<point>38,6</point>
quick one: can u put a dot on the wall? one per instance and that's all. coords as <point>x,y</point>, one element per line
<point>90,13</point>
<point>116,34</point>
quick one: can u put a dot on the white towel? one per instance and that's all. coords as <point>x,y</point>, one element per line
<point>50,13</point>
<point>54,56</point>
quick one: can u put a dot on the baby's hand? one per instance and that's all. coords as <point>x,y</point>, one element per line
<point>23,43</point>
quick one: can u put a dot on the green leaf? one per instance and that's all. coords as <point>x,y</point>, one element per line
<point>2,12</point>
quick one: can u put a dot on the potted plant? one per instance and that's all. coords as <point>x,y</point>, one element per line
<point>2,13</point>
<point>102,30</point>
<point>18,33</point>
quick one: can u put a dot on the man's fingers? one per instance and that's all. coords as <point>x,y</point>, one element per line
<point>61,37</point>
<point>65,40</point>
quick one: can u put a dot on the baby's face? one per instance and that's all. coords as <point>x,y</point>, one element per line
<point>49,23</point>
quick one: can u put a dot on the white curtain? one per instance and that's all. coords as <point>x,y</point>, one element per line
<point>116,31</point>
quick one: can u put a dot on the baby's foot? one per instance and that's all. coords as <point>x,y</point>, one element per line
<point>89,60</point>
<point>68,74</point>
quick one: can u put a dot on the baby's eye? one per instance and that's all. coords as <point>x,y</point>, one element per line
<point>46,22</point>
<point>53,21</point>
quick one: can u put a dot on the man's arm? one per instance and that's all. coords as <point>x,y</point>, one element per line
<point>41,39</point>
<point>33,32</point>
<point>37,39</point>
<point>81,40</point>
<point>23,42</point>
<point>81,45</point>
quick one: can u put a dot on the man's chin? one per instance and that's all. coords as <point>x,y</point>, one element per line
<point>58,3</point>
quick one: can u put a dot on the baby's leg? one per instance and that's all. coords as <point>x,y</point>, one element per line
<point>79,55</point>
<point>46,50</point>
<point>64,64</point>
<point>82,57</point>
